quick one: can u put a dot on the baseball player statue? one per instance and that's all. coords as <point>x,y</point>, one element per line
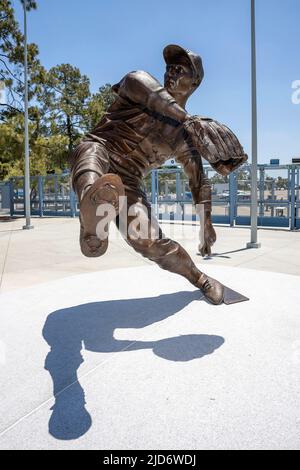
<point>146,125</point>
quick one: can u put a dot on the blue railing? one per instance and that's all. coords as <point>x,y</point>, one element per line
<point>51,195</point>
<point>278,196</point>
<point>167,188</point>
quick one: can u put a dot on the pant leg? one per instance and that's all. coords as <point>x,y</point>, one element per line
<point>167,253</point>
<point>90,160</point>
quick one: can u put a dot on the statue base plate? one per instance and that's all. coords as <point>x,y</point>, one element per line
<point>233,297</point>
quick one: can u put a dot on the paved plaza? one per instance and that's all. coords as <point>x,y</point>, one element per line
<point>115,353</point>
<point>51,251</point>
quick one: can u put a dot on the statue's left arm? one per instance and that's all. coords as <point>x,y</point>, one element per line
<point>203,137</point>
<point>201,191</point>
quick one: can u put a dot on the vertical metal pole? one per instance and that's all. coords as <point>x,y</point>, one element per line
<point>27,169</point>
<point>261,192</point>
<point>178,189</point>
<point>293,198</point>
<point>73,203</point>
<point>153,187</point>
<point>11,193</point>
<point>232,198</point>
<point>253,243</point>
<point>56,194</point>
<point>289,196</point>
<point>178,196</point>
<point>41,195</point>
<point>154,191</point>
<point>272,198</point>
<point>297,199</point>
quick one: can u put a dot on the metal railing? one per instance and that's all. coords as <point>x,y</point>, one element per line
<point>278,196</point>
<point>50,195</point>
<point>4,198</point>
<point>167,188</point>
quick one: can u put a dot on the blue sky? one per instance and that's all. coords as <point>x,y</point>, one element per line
<point>108,38</point>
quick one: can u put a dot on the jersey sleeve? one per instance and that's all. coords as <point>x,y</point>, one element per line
<point>145,91</point>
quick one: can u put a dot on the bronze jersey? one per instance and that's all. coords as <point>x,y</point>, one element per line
<point>139,136</point>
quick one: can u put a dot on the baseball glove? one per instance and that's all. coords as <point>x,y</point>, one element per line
<point>216,143</point>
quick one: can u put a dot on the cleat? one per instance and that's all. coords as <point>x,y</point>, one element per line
<point>106,190</point>
<point>217,293</point>
<point>212,289</point>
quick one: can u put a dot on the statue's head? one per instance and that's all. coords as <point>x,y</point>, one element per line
<point>184,71</point>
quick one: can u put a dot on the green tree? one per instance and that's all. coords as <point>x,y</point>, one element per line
<point>11,144</point>
<point>269,182</point>
<point>61,107</point>
<point>218,179</point>
<point>64,94</point>
<point>46,153</point>
<point>29,4</point>
<point>12,61</point>
<point>282,183</point>
<point>99,104</point>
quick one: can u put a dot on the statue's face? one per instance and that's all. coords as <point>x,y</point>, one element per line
<point>178,79</point>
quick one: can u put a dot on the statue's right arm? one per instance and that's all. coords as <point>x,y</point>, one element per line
<point>145,91</point>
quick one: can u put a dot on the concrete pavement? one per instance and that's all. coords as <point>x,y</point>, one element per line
<point>114,353</point>
<point>157,367</point>
<point>51,251</point>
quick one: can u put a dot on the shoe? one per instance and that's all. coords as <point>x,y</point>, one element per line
<point>211,288</point>
<point>108,189</point>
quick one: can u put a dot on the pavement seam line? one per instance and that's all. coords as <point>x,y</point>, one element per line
<point>5,259</point>
<point>12,426</point>
<point>2,433</point>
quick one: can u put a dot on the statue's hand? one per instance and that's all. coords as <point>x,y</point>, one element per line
<point>209,238</point>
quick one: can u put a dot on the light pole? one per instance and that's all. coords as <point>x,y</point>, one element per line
<point>253,243</point>
<point>28,225</point>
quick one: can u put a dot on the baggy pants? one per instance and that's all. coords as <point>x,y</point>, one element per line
<point>92,157</point>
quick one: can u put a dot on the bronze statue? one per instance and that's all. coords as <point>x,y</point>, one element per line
<point>146,125</point>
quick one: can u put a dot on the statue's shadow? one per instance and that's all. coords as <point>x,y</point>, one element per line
<point>92,326</point>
